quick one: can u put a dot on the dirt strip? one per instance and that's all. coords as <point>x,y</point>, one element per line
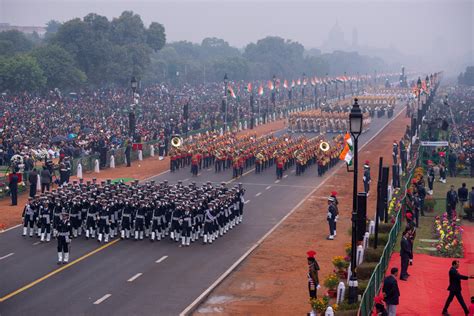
<point>273,279</point>
<point>11,215</point>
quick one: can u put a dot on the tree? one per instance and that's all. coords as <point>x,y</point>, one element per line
<point>20,73</point>
<point>128,29</point>
<point>12,42</point>
<point>52,26</point>
<point>58,67</point>
<point>155,36</point>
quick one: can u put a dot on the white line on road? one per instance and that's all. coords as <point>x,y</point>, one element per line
<point>161,259</point>
<point>246,202</point>
<point>133,278</point>
<point>206,293</point>
<point>258,194</point>
<point>103,298</point>
<point>5,230</point>
<point>285,176</point>
<point>185,179</point>
<point>37,243</point>
<point>6,256</point>
<point>268,188</point>
<point>277,181</point>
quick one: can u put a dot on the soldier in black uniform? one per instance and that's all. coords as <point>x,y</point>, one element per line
<point>366,177</point>
<point>29,217</point>
<point>45,213</point>
<point>64,238</point>
<point>395,152</point>
<point>331,217</point>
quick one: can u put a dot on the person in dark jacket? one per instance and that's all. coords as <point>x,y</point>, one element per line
<point>313,279</point>
<point>33,180</point>
<point>391,292</point>
<point>451,202</point>
<point>128,152</point>
<point>45,178</point>
<point>406,254</point>
<point>463,194</point>
<point>13,185</point>
<point>454,287</point>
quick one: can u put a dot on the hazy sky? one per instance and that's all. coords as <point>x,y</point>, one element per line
<point>413,27</point>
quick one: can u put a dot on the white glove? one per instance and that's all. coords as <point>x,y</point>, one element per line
<point>337,217</point>
<point>363,178</point>
<point>318,287</point>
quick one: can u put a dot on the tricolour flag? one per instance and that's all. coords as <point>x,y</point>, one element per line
<point>249,87</point>
<point>285,84</point>
<point>270,85</point>
<point>292,83</point>
<point>260,90</point>
<point>346,153</point>
<point>231,92</point>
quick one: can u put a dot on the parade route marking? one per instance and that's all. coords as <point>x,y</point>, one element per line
<point>258,194</point>
<point>267,188</point>
<point>277,181</point>
<point>285,176</point>
<point>26,287</point>
<point>6,256</point>
<point>133,278</point>
<point>161,259</point>
<point>5,230</point>
<point>103,298</point>
<point>37,243</point>
<point>187,179</point>
<point>246,202</point>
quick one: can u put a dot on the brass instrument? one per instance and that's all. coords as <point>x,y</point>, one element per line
<point>324,146</point>
<point>176,141</point>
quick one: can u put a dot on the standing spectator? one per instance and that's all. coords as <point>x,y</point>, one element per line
<point>452,159</point>
<point>128,152</point>
<point>29,165</point>
<point>13,185</point>
<point>45,178</point>
<point>451,202</point>
<point>406,254</point>
<point>442,173</point>
<point>391,292</point>
<point>462,196</point>
<point>454,287</point>
<point>33,180</point>
<point>471,204</point>
<point>431,177</point>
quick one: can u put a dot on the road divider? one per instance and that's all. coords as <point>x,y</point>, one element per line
<point>103,298</point>
<point>133,278</point>
<point>161,259</point>
<point>6,256</point>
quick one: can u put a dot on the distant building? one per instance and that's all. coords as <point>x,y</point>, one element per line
<point>335,40</point>
<point>355,38</point>
<point>40,30</point>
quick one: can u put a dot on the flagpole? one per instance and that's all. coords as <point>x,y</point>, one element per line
<point>225,104</point>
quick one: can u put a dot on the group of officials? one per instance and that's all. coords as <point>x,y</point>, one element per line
<point>153,210</point>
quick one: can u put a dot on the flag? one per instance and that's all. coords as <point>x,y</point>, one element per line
<point>270,85</point>
<point>231,92</point>
<point>285,84</point>
<point>292,83</point>
<point>298,82</point>
<point>312,82</point>
<point>249,87</point>
<point>346,153</point>
<point>260,90</point>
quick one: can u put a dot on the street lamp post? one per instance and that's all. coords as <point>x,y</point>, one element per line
<point>274,93</point>
<point>326,86</point>
<point>344,86</point>
<point>355,127</point>
<point>225,102</point>
<point>418,84</point>
<point>302,90</point>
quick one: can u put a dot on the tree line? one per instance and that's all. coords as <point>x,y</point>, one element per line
<point>97,52</point>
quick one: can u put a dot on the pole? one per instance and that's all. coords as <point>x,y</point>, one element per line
<point>353,280</point>
<point>225,104</point>
<point>378,210</point>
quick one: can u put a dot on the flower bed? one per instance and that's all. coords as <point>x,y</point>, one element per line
<point>449,235</point>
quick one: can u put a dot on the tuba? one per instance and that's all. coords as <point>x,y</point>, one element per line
<point>324,146</point>
<point>176,141</point>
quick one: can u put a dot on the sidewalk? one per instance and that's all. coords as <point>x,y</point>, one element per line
<point>273,279</point>
<point>425,291</point>
<point>141,170</point>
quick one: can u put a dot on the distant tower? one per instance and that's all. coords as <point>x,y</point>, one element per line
<point>355,38</point>
<point>335,40</point>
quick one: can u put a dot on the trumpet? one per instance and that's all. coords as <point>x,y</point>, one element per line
<point>324,146</point>
<point>176,141</point>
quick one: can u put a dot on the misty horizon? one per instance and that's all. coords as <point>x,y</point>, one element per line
<point>437,31</point>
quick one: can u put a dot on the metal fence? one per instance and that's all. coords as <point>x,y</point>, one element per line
<point>376,280</point>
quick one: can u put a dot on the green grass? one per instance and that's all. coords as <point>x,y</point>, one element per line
<point>425,229</point>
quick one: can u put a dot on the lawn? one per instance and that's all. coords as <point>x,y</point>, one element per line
<point>424,232</point>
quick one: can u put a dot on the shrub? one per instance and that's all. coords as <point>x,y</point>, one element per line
<point>384,228</point>
<point>340,263</point>
<point>365,269</point>
<point>331,281</point>
<point>345,306</point>
<point>429,204</point>
<point>373,255</point>
<point>383,238</point>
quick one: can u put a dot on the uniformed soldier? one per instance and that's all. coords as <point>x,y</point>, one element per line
<point>395,152</point>
<point>64,238</point>
<point>366,177</point>
<point>45,213</point>
<point>28,217</point>
<point>331,217</point>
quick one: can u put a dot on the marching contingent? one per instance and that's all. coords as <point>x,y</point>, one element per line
<point>153,210</point>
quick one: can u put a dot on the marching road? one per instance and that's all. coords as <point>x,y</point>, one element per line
<point>145,278</point>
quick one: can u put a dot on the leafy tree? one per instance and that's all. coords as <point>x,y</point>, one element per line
<point>58,67</point>
<point>12,42</point>
<point>20,73</point>
<point>155,36</point>
<point>52,26</point>
<point>128,29</point>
